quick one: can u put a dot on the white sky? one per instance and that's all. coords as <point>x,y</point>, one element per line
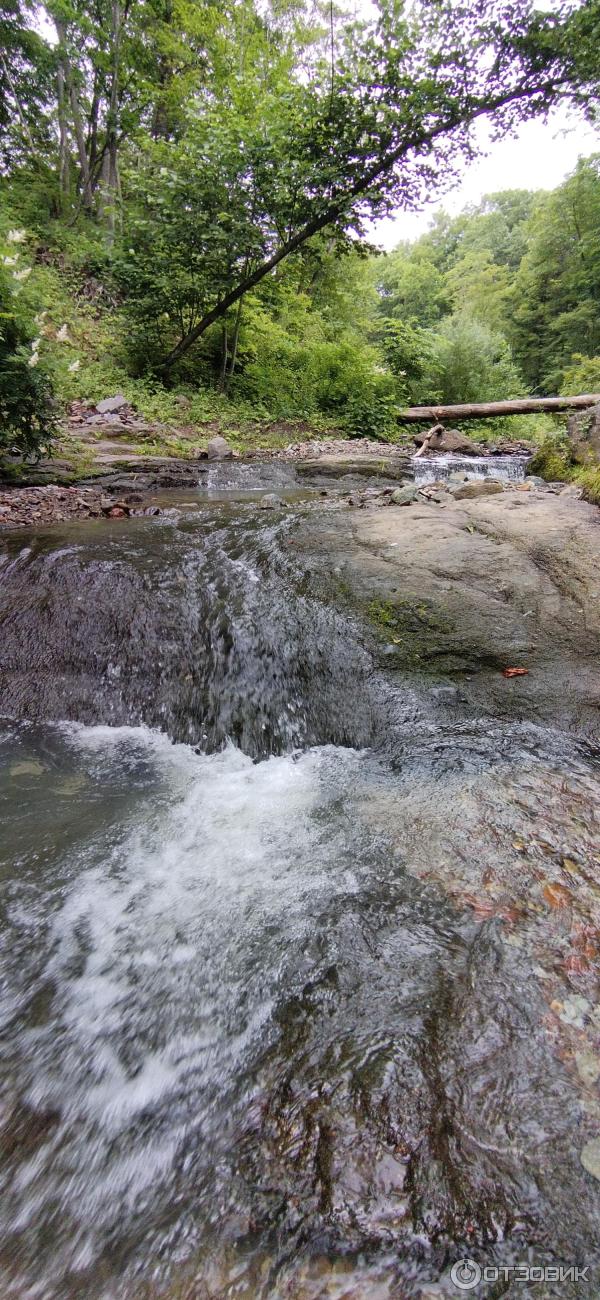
<point>537,158</point>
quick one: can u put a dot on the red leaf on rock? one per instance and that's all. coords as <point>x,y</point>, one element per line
<point>515,672</point>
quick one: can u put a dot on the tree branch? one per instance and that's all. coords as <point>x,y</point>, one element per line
<point>338,204</point>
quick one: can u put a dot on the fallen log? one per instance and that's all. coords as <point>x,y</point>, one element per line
<point>486,410</point>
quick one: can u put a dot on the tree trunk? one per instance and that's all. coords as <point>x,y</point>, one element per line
<point>77,116</point>
<point>109,176</point>
<point>225,354</point>
<point>234,345</point>
<point>20,114</point>
<point>486,410</point>
<point>63,151</point>
<point>342,202</point>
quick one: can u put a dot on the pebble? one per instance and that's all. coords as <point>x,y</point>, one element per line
<point>22,507</point>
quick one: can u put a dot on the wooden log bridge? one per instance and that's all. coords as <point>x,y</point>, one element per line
<point>486,410</point>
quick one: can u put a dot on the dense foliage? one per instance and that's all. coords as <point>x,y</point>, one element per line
<point>27,410</point>
<point>194,181</point>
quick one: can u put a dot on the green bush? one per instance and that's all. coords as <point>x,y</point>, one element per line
<point>589,480</point>
<point>552,460</point>
<point>582,376</point>
<point>473,364</point>
<point>27,410</point>
<point>296,372</point>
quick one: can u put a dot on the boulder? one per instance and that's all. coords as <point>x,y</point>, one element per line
<point>440,439</point>
<point>218,449</point>
<point>584,434</point>
<point>487,487</point>
<point>111,404</point>
<point>452,440</point>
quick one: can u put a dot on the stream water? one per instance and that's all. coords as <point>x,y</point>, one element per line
<point>274,983</point>
<point>432,469</point>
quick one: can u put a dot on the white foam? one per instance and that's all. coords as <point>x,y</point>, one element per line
<point>166,953</point>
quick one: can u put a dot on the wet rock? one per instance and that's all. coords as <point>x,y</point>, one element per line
<point>111,404</point>
<point>486,488</point>
<point>572,1011</point>
<point>588,1067</point>
<point>396,466</point>
<point>590,1157</point>
<point>447,695</point>
<point>219,449</point>
<point>403,496</point>
<point>270,501</point>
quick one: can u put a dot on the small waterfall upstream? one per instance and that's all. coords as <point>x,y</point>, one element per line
<point>432,469</point>
<point>255,1042</point>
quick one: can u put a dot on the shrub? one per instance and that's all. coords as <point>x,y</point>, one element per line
<point>552,460</point>
<point>473,364</point>
<point>27,411</point>
<point>582,376</point>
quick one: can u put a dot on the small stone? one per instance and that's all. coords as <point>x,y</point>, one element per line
<point>486,487</point>
<point>218,449</point>
<point>111,404</point>
<point>404,496</point>
<point>590,1157</point>
<point>270,501</point>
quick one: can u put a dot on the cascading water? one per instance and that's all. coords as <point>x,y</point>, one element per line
<point>255,1043</point>
<point>432,469</point>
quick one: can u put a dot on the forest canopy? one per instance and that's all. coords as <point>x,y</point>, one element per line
<point>188,187</point>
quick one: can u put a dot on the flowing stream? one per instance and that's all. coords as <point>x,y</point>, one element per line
<point>260,1038</point>
<point>436,469</point>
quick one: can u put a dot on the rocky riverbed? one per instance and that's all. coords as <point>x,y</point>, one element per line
<point>301,941</point>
